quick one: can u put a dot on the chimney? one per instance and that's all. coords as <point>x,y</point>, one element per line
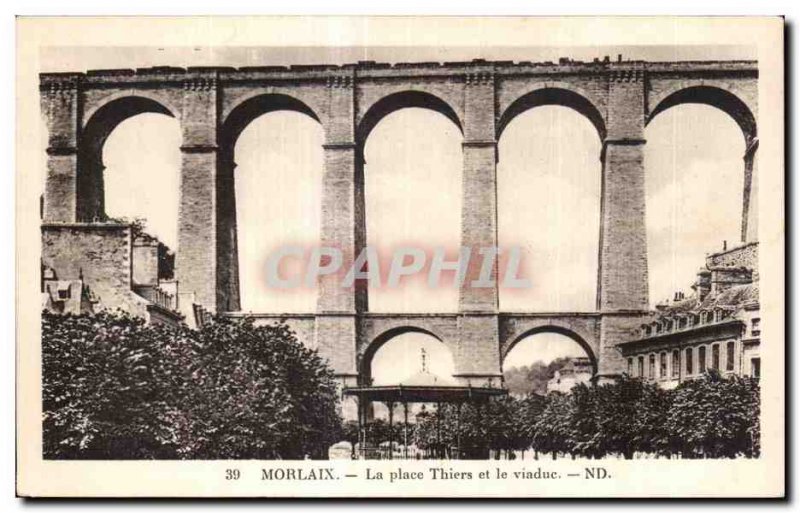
<point>724,245</point>
<point>702,286</point>
<point>619,57</point>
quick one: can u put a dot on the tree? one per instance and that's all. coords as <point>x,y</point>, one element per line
<point>552,431</point>
<point>630,417</point>
<point>106,387</point>
<point>527,414</point>
<point>115,388</point>
<point>715,417</point>
<point>533,378</point>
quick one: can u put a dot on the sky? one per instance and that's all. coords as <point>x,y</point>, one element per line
<point>548,188</point>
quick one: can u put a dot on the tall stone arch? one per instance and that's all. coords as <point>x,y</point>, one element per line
<point>241,115</point>
<point>372,348</point>
<point>554,93</point>
<point>101,122</point>
<point>581,339</point>
<point>727,100</point>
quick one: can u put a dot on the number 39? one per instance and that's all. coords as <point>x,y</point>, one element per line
<point>232,474</point>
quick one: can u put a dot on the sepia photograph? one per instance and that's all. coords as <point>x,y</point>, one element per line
<point>404,262</point>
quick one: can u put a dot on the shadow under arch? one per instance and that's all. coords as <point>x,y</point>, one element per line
<point>90,200</point>
<point>560,330</point>
<point>402,100</point>
<point>228,291</point>
<point>714,97</point>
<point>365,364</point>
<point>247,111</point>
<point>553,96</point>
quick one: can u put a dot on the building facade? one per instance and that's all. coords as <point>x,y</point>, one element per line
<point>715,328</point>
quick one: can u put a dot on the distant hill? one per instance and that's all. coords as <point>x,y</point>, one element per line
<point>521,381</point>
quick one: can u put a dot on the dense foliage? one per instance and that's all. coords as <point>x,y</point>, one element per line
<point>115,388</point>
<point>533,378</point>
<point>708,417</point>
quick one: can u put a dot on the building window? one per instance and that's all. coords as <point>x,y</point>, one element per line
<point>701,359</point>
<point>63,294</point>
<point>676,364</point>
<point>663,365</point>
<point>630,366</point>
<point>689,360</point>
<point>755,327</point>
<point>755,368</point>
<point>640,372</point>
<point>731,352</point>
<point>715,357</point>
<point>651,368</point>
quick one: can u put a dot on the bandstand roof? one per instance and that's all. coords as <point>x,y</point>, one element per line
<point>424,393</point>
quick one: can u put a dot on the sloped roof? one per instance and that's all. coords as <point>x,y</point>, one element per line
<point>735,297</point>
<point>426,379</point>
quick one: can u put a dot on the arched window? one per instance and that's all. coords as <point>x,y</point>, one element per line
<point>701,359</point>
<point>640,372</point>
<point>731,356</point>
<point>689,361</point>
<point>676,363</point>
<point>630,366</point>
<point>651,368</point>
<point>715,357</point>
<point>662,365</point>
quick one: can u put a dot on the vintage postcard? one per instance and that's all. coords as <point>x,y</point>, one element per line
<point>400,257</point>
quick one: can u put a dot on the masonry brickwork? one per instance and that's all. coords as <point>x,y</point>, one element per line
<point>213,106</point>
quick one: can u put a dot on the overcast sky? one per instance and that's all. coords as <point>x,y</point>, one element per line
<point>548,187</point>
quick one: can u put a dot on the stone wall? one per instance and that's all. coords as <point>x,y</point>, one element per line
<point>101,255</point>
<point>745,256</point>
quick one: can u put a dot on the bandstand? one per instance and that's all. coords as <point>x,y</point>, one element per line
<point>422,387</point>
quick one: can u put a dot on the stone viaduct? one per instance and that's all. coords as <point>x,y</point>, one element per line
<point>214,105</point>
